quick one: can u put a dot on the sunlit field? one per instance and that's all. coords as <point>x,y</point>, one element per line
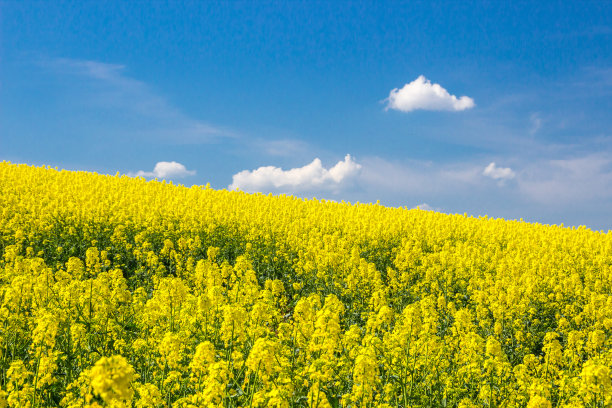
<point>118,292</point>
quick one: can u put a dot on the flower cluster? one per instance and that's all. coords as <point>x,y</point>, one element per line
<point>118,292</point>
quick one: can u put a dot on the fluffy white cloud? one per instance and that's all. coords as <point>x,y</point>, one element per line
<point>311,176</point>
<point>164,170</point>
<point>498,173</point>
<point>422,94</point>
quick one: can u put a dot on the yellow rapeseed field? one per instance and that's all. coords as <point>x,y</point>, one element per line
<point>118,292</point>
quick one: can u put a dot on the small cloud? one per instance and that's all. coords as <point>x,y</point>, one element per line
<point>424,207</point>
<point>93,69</point>
<point>422,94</point>
<point>311,176</point>
<point>498,173</point>
<point>282,147</point>
<point>536,123</point>
<point>163,170</point>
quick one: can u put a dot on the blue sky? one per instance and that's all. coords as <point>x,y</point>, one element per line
<point>492,108</point>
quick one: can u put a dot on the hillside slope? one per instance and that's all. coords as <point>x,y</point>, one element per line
<point>120,292</point>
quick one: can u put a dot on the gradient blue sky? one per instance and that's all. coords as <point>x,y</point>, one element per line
<point>224,89</point>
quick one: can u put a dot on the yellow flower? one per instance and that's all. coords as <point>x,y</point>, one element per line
<point>148,396</point>
<point>203,357</point>
<point>171,351</point>
<point>262,359</point>
<point>537,401</point>
<point>596,381</point>
<point>365,375</point>
<point>317,398</point>
<point>111,379</point>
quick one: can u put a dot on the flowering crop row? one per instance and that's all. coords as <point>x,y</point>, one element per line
<point>119,292</point>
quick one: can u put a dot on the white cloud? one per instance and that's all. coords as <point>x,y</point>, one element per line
<point>418,178</point>
<point>498,173</point>
<point>281,147</point>
<point>163,170</point>
<point>581,180</point>
<point>424,207</point>
<point>311,176</point>
<point>106,90</point>
<point>536,123</point>
<point>422,94</point>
